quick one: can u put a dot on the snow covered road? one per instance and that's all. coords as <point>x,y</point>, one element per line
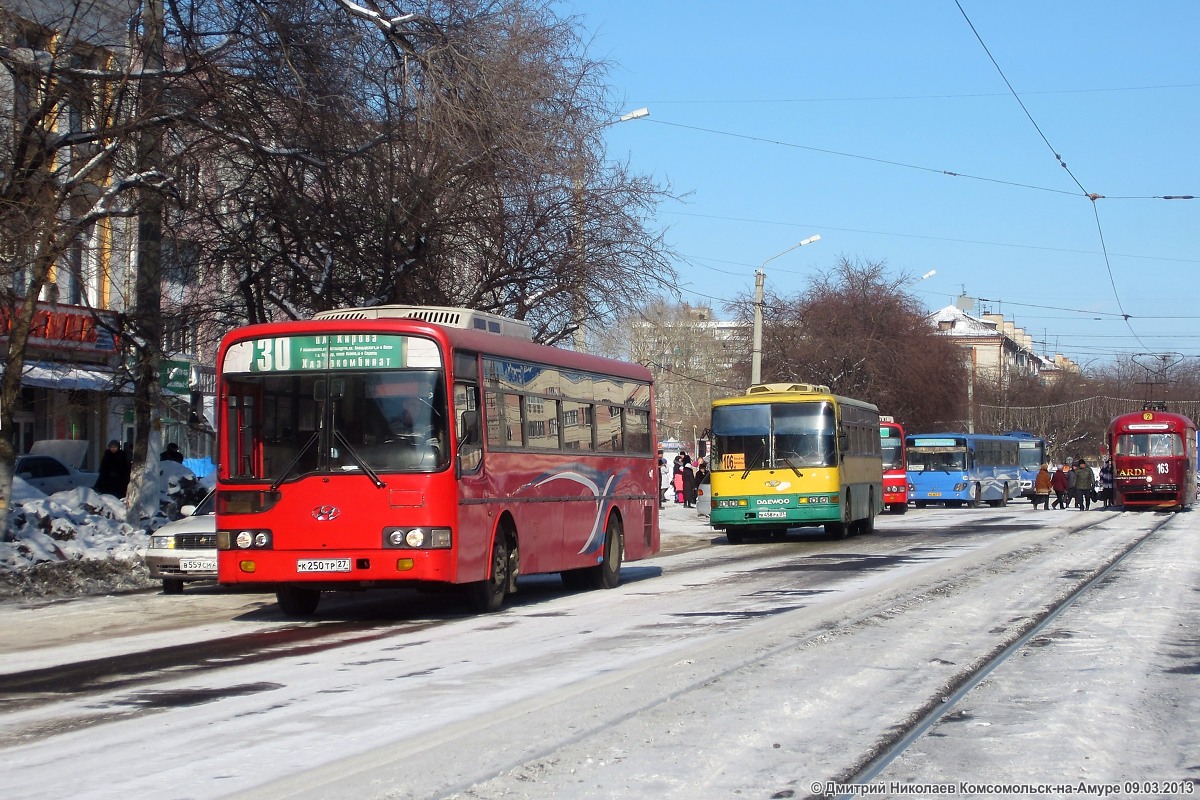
<point>752,671</point>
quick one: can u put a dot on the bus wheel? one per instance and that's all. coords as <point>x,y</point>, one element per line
<point>918,504</point>
<point>606,574</point>
<point>487,596</point>
<point>297,602</point>
<point>977,497</point>
<point>898,508</point>
<point>734,537</point>
<point>835,530</point>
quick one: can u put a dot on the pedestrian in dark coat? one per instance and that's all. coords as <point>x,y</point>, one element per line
<point>113,475</point>
<point>1085,484</point>
<point>172,454</point>
<point>1106,482</point>
<point>1059,484</point>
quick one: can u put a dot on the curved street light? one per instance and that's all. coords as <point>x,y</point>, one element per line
<point>580,337</point>
<point>759,278</point>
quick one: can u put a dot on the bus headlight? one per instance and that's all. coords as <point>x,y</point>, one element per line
<point>244,540</point>
<point>958,487</point>
<point>418,538</point>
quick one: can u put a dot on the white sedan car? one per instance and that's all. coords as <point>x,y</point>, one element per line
<point>186,549</point>
<point>49,474</point>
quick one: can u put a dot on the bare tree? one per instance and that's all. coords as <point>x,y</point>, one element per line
<point>857,331</point>
<point>451,157</point>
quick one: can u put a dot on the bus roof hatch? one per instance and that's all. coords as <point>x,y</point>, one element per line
<point>439,315</point>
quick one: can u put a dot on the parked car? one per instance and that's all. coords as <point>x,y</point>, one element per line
<point>49,474</point>
<point>186,549</point>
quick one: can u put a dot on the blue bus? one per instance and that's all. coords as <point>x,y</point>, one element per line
<point>1033,455</point>
<point>962,468</point>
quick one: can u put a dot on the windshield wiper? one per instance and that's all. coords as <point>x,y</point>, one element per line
<point>794,467</point>
<point>379,484</point>
<point>307,446</point>
<point>751,462</point>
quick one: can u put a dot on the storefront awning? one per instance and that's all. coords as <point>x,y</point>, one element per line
<point>65,376</point>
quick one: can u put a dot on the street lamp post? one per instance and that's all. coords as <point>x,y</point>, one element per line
<point>759,278</point>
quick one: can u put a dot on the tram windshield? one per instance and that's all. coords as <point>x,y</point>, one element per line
<point>1149,444</point>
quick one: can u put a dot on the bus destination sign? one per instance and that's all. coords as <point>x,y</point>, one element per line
<point>334,351</point>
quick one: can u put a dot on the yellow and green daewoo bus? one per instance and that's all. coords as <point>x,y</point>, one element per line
<point>790,455</point>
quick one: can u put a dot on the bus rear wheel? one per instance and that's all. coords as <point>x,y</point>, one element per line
<point>898,508</point>
<point>606,574</point>
<point>295,601</point>
<point>487,596</point>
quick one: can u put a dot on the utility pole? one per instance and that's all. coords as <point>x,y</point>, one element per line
<point>759,277</point>
<point>756,357</point>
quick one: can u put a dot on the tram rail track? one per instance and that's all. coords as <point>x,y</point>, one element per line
<point>938,708</point>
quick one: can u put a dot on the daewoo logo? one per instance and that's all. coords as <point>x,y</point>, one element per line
<point>326,513</point>
<point>773,501</point>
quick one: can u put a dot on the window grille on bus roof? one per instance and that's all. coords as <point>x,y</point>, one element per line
<point>807,388</point>
<point>438,315</point>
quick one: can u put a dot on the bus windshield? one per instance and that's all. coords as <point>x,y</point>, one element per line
<point>937,459</point>
<point>891,452</point>
<point>1032,456</point>
<point>764,436</point>
<point>337,421</point>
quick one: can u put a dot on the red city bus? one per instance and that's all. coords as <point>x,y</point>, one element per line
<point>408,446</point>
<point>1154,460</point>
<point>895,465</point>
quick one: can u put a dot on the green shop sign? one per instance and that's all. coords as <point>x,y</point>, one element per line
<point>175,376</point>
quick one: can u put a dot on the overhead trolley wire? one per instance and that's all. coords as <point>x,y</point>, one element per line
<point>1092,196</point>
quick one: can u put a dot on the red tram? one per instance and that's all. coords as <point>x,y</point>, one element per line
<point>1154,460</point>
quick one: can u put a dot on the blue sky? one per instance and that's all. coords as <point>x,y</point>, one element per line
<point>781,120</point>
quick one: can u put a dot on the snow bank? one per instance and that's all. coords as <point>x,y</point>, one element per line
<point>52,544</point>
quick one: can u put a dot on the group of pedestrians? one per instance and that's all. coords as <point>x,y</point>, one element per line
<point>1074,486</point>
<point>685,477</point>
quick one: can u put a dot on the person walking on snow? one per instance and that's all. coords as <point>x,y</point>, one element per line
<point>1106,482</point>
<point>1059,484</point>
<point>1085,483</point>
<point>1042,485</point>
